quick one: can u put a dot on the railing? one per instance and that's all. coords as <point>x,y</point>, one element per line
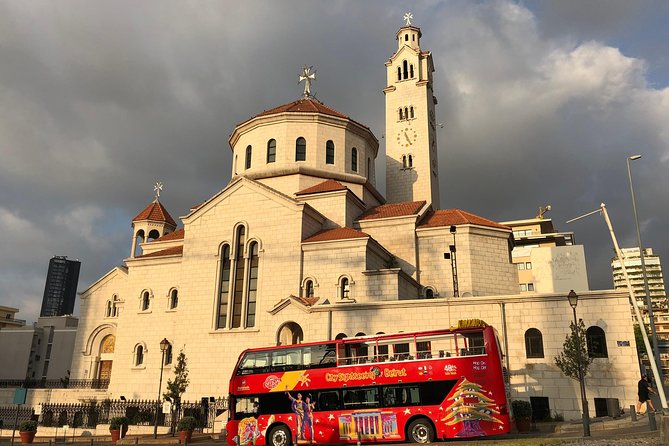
<point>55,383</point>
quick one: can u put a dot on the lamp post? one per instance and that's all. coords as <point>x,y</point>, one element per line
<point>573,301</point>
<point>163,348</point>
<point>649,303</point>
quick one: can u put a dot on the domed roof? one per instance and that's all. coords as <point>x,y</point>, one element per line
<point>306,105</point>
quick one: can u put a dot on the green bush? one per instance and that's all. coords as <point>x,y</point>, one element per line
<point>521,409</point>
<point>28,426</point>
<point>116,423</point>
<point>186,424</point>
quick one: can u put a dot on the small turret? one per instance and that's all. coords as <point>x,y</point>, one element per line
<point>153,222</point>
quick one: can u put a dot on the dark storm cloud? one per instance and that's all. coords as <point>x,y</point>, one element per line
<point>98,100</point>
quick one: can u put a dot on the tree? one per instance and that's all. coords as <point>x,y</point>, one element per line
<point>177,386</point>
<point>640,346</point>
<point>568,359</point>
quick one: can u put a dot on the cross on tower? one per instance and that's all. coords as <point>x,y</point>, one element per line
<point>307,76</point>
<point>157,188</point>
<point>408,17</point>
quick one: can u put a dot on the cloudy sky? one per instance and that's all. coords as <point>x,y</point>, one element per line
<point>541,103</point>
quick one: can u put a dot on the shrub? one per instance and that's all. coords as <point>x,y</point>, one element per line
<point>28,426</point>
<point>186,424</point>
<point>521,409</point>
<point>116,423</point>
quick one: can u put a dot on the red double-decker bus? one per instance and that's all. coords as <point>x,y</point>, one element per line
<point>414,387</point>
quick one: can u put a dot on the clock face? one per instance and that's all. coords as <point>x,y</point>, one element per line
<point>406,137</point>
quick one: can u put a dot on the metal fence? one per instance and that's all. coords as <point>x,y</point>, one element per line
<point>8,416</point>
<point>63,383</point>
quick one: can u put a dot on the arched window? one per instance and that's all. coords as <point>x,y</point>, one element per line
<point>168,355</point>
<point>404,161</point>
<point>108,309</point>
<point>224,287</point>
<point>399,74</point>
<point>411,111</point>
<point>401,114</point>
<point>406,112</point>
<point>300,149</point>
<point>369,168</point>
<point>341,336</point>
<point>344,289</point>
<point>290,333</point>
<point>411,71</point>
<point>406,37</point>
<point>238,284</point>
<point>309,288</point>
<point>271,150</point>
<point>354,159</point>
<point>252,286</point>
<point>329,152</point>
<point>405,70</point>
<point>174,298</point>
<point>596,342</point>
<point>429,293</point>
<point>139,355</point>
<point>146,301</point>
<point>534,343</point>
<point>410,161</point>
<point>247,163</point>
<point>115,310</point>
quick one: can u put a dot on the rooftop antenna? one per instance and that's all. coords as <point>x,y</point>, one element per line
<point>543,210</point>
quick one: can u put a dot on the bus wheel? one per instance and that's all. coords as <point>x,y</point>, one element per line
<point>279,436</point>
<point>420,431</point>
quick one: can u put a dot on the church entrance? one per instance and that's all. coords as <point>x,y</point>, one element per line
<point>106,357</point>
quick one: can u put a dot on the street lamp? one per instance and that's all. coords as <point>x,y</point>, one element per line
<point>164,344</point>
<point>649,303</point>
<point>573,301</point>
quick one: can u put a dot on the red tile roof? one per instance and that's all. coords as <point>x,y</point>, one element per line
<point>177,250</point>
<point>335,234</point>
<point>448,217</point>
<point>155,211</point>
<point>393,210</point>
<point>306,105</point>
<point>176,235</point>
<point>325,186</point>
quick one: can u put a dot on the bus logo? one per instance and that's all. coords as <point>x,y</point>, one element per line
<point>271,382</point>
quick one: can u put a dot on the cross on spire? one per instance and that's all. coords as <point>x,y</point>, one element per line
<point>156,189</point>
<point>307,76</point>
<point>408,17</point>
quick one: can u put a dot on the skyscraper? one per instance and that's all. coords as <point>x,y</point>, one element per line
<point>60,289</point>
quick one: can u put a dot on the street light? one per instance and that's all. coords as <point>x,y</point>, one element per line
<point>164,344</point>
<point>573,301</point>
<point>649,303</point>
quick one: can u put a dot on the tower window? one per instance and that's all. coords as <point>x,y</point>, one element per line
<point>174,298</point>
<point>146,300</point>
<point>405,70</point>
<point>406,112</point>
<point>399,73</point>
<point>252,287</point>
<point>354,159</point>
<point>411,71</point>
<point>309,288</point>
<point>344,292</point>
<point>300,149</point>
<point>247,163</point>
<point>406,37</point>
<point>238,282</point>
<point>404,161</point>
<point>410,161</point>
<point>271,150</point>
<point>329,152</point>
<point>369,168</point>
<point>413,37</point>
<point>411,111</point>
<point>139,355</point>
<point>168,355</point>
<point>401,114</point>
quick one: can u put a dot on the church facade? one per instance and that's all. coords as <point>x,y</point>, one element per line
<point>300,246</point>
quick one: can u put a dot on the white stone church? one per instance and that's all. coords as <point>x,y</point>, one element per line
<point>301,246</point>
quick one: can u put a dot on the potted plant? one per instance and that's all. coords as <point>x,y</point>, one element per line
<point>522,412</point>
<point>118,426</point>
<point>27,431</point>
<point>185,428</point>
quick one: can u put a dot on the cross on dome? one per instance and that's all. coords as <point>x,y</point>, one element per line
<point>408,17</point>
<point>307,76</point>
<point>157,188</point>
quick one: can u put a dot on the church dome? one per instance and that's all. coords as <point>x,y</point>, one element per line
<point>305,140</point>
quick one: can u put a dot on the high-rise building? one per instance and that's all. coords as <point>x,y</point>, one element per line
<point>60,289</point>
<point>656,290</point>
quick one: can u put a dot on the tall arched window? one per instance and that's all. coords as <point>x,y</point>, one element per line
<point>405,70</point>
<point>300,149</point>
<point>271,150</point>
<point>329,152</point>
<point>146,301</point>
<point>406,112</point>
<point>411,112</point>
<point>534,343</point>
<point>411,71</point>
<point>115,310</point>
<point>174,298</point>
<point>238,284</point>
<point>369,168</point>
<point>247,163</point>
<point>401,114</point>
<point>354,159</point>
<point>596,342</point>
<point>168,355</point>
<point>224,287</point>
<point>290,333</point>
<point>410,164</point>
<point>139,355</point>
<point>309,288</point>
<point>252,287</point>
<point>399,74</point>
<point>404,161</point>
<point>406,37</point>
<point>344,288</point>
<point>108,309</point>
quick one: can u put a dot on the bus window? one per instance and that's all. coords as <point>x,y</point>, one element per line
<point>401,351</point>
<point>367,398</point>
<point>423,350</point>
<point>287,359</point>
<point>274,402</point>
<point>254,362</point>
<point>246,407</point>
<point>327,400</point>
<point>394,396</point>
<point>434,392</point>
<point>474,344</point>
<point>317,356</point>
<point>442,346</point>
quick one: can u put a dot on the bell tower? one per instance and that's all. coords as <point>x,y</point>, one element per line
<point>412,171</point>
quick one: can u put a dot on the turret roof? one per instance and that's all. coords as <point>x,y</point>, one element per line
<point>448,217</point>
<point>155,211</point>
